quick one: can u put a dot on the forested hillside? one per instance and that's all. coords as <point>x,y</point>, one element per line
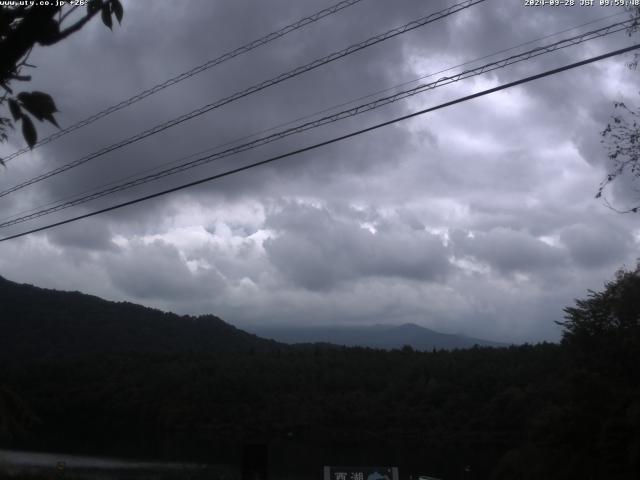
<point>41,324</point>
<point>533,411</point>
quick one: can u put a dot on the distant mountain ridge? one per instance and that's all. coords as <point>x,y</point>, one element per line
<point>43,324</point>
<point>373,336</point>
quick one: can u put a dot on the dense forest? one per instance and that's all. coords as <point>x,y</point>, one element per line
<point>569,410</point>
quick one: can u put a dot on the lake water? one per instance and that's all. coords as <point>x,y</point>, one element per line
<point>18,464</point>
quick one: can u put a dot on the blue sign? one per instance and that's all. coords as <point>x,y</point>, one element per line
<point>360,473</point>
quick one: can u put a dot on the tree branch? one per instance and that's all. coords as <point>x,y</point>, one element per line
<point>63,17</point>
<point>71,29</point>
<point>16,45</point>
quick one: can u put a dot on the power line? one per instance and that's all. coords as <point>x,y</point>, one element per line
<point>331,141</point>
<point>303,22</point>
<point>311,115</point>
<point>329,119</point>
<point>255,88</point>
<point>601,32</point>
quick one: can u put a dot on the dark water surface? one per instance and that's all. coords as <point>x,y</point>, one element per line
<point>22,464</point>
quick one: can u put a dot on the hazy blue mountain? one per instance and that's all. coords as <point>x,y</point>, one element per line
<point>374,336</point>
<point>37,323</point>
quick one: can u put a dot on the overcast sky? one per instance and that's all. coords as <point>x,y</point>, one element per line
<point>477,219</point>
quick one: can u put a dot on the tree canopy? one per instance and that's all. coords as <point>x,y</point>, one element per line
<point>23,27</point>
<point>531,411</point>
<point>622,138</point>
<point>603,330</point>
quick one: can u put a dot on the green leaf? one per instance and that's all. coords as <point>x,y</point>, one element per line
<point>106,15</point>
<point>117,9</point>
<point>29,131</point>
<point>14,108</point>
<point>40,105</point>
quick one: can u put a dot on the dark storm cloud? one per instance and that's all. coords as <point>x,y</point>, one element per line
<point>597,245</point>
<point>462,219</point>
<point>317,249</point>
<point>508,251</point>
<point>157,271</point>
<point>93,234</point>
<point>207,23</point>
<point>342,80</point>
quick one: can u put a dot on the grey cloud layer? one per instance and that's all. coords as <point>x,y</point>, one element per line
<point>477,219</point>
<point>318,251</point>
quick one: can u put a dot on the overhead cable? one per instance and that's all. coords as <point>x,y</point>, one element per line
<point>327,142</point>
<point>360,109</point>
<point>306,116</point>
<point>303,22</point>
<point>255,88</point>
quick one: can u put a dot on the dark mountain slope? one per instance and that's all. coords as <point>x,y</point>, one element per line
<point>38,324</point>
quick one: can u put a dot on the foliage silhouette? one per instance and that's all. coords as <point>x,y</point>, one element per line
<point>622,137</point>
<point>116,378</point>
<point>23,27</point>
